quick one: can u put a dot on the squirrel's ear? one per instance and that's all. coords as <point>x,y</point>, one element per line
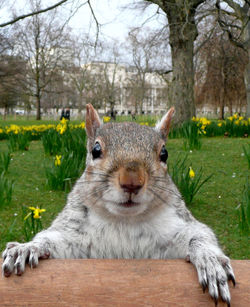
<point>92,121</point>
<point>164,125</point>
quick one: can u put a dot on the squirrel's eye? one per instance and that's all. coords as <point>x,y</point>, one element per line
<point>96,151</point>
<point>163,154</point>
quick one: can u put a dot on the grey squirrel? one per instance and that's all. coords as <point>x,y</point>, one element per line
<point>125,205</point>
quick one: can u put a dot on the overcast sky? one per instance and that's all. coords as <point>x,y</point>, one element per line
<point>115,16</point>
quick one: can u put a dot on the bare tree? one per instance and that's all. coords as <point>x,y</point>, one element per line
<point>182,34</point>
<point>11,68</point>
<point>81,79</point>
<point>219,75</point>
<point>235,21</point>
<point>147,49</point>
<point>41,42</point>
<point>111,75</point>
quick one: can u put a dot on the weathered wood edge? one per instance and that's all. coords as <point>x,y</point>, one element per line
<point>95,282</point>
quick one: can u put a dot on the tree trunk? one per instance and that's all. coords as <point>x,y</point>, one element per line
<point>247,83</point>
<point>38,107</point>
<point>5,112</point>
<point>183,33</point>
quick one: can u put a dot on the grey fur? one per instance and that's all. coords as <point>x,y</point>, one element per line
<point>94,225</point>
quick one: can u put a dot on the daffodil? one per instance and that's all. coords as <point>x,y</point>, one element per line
<point>191,172</point>
<point>36,212</point>
<point>63,121</point>
<point>106,119</point>
<point>219,124</point>
<point>58,160</point>
<point>82,125</point>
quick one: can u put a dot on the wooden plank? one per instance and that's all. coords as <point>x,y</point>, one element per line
<point>82,282</point>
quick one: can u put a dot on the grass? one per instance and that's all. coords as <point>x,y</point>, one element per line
<point>214,205</point>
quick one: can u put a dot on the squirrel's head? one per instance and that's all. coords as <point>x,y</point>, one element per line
<point>126,164</point>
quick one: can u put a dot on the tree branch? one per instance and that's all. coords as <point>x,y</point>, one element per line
<point>96,21</point>
<point>32,14</point>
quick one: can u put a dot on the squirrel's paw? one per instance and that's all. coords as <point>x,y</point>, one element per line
<point>16,255</point>
<point>214,272</point>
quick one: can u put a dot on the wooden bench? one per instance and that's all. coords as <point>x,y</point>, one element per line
<point>117,283</point>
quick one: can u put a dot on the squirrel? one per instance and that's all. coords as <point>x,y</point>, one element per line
<point>125,205</point>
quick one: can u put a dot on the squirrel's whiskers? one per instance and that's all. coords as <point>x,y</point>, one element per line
<point>125,205</point>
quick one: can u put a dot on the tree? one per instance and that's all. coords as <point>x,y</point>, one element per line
<point>148,53</point>
<point>110,76</point>
<point>219,80</point>
<point>141,46</point>
<point>11,68</point>
<point>84,52</point>
<point>182,34</point>
<point>42,42</point>
<point>235,21</point>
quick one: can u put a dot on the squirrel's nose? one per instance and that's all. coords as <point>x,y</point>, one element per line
<point>131,188</point>
<point>131,180</point>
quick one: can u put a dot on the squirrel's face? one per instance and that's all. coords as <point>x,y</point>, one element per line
<point>126,165</point>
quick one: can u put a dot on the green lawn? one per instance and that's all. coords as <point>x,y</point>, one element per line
<point>214,205</point>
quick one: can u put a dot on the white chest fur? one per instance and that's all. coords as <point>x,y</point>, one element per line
<point>153,238</point>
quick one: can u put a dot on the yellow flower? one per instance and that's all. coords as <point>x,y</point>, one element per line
<point>82,125</point>
<point>219,124</point>
<point>204,121</point>
<point>235,116</point>
<point>237,122</point>
<point>230,118</point>
<point>194,119</point>
<point>241,118</point>
<point>106,119</point>
<point>191,172</point>
<point>58,160</point>
<point>203,127</point>
<point>36,213</point>
<point>1,130</point>
<point>63,121</point>
<point>61,128</point>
